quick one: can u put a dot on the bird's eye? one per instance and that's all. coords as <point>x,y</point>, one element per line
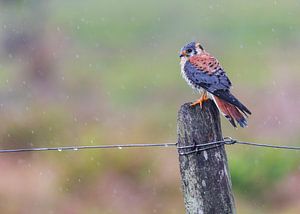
<point>189,50</point>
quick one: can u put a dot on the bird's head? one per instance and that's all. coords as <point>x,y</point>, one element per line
<point>191,49</point>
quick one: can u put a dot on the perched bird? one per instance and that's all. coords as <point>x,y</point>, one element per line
<point>204,73</point>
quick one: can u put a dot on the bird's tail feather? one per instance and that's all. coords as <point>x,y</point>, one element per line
<point>231,112</point>
<point>227,96</point>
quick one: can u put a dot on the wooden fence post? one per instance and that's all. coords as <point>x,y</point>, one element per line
<point>205,176</point>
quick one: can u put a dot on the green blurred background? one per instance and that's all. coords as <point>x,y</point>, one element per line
<point>107,72</point>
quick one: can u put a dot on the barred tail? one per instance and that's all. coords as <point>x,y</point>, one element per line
<point>231,112</point>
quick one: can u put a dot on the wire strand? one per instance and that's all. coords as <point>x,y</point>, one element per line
<point>75,148</point>
<point>181,149</point>
<point>268,145</point>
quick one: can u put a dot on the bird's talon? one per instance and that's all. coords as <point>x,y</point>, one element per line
<point>200,101</point>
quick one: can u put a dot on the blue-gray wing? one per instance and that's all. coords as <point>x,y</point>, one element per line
<point>210,81</point>
<point>216,82</point>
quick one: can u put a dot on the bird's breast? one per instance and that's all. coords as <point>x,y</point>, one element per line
<point>187,79</point>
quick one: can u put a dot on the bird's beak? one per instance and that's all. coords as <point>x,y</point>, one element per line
<point>183,53</point>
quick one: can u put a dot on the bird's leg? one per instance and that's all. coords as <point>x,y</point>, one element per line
<point>203,98</point>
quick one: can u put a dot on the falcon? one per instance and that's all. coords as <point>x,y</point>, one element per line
<point>203,72</point>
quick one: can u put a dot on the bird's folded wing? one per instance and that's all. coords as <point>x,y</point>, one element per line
<point>211,79</point>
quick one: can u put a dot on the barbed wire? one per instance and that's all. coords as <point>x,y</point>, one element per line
<point>182,150</point>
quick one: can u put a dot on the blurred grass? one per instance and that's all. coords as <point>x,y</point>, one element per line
<point>253,170</point>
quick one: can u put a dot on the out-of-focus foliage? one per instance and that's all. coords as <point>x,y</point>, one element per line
<point>107,72</point>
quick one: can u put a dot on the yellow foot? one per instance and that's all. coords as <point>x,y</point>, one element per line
<point>200,101</point>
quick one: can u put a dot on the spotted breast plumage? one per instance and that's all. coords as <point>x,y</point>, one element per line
<point>204,73</point>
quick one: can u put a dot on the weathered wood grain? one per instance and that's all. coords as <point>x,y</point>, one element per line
<point>206,183</point>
